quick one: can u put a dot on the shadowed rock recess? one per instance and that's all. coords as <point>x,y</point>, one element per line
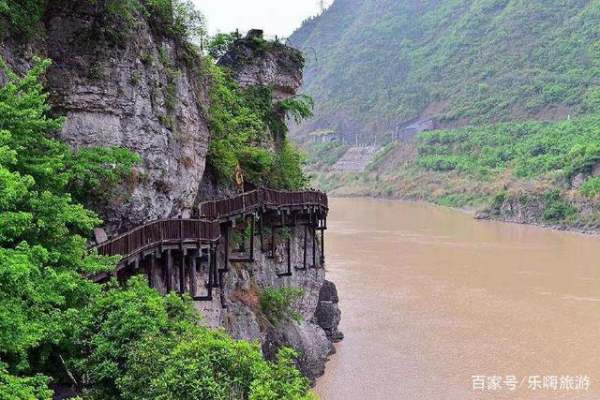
<point>148,93</point>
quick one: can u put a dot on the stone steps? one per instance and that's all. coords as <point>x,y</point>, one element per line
<point>356,159</point>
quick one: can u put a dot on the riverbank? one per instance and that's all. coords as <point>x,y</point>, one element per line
<point>540,173</point>
<point>475,213</point>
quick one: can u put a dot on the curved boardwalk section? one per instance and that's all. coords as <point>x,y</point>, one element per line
<point>192,255</point>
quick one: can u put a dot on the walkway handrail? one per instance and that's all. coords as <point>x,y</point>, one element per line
<point>261,197</point>
<point>160,231</point>
<point>164,231</point>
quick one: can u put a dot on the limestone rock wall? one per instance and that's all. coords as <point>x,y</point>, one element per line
<point>312,337</point>
<point>254,61</point>
<point>142,92</point>
<point>139,94</point>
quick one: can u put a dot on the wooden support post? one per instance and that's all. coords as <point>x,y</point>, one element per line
<point>169,271</point>
<point>150,269</point>
<point>289,255</point>
<point>288,272</point>
<point>226,267</point>
<point>252,222</point>
<point>182,273</point>
<point>272,254</point>
<point>193,274</point>
<point>215,267</point>
<point>314,247</point>
<point>260,230</point>
<point>322,247</point>
<point>305,246</point>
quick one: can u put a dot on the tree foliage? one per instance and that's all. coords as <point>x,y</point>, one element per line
<point>42,228</point>
<point>135,344</point>
<point>240,121</point>
<point>529,149</point>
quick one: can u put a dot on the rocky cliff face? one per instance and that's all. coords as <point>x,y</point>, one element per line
<point>139,93</point>
<point>146,92</point>
<point>311,337</point>
<point>141,96</point>
<point>253,61</point>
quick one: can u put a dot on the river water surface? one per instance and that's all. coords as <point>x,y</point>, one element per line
<point>431,297</point>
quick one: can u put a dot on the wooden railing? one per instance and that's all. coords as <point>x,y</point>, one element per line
<point>262,197</point>
<point>160,232</point>
<point>206,230</point>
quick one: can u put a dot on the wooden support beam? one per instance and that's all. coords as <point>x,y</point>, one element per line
<point>169,271</point>
<point>194,274</point>
<point>252,222</point>
<point>182,269</point>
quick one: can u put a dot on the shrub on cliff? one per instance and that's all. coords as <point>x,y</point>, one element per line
<point>240,122</point>
<point>277,305</point>
<point>133,343</point>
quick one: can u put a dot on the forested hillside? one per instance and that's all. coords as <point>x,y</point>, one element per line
<point>373,64</point>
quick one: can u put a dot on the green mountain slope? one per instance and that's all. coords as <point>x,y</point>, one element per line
<point>373,64</point>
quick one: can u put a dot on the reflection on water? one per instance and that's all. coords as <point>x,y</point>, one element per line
<point>431,297</point>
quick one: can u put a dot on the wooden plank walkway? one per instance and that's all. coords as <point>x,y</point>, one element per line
<point>207,229</point>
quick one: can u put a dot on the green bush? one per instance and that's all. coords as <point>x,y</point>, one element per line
<point>240,121</point>
<point>556,209</point>
<point>277,304</point>
<point>287,172</point>
<point>133,343</point>
<point>23,17</point>
<point>177,18</point>
<point>17,388</point>
<point>591,187</point>
<point>219,44</point>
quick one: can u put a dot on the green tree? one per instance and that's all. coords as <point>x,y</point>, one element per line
<point>43,229</point>
<point>132,343</point>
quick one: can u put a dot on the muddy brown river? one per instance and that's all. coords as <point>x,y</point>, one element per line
<point>437,305</point>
